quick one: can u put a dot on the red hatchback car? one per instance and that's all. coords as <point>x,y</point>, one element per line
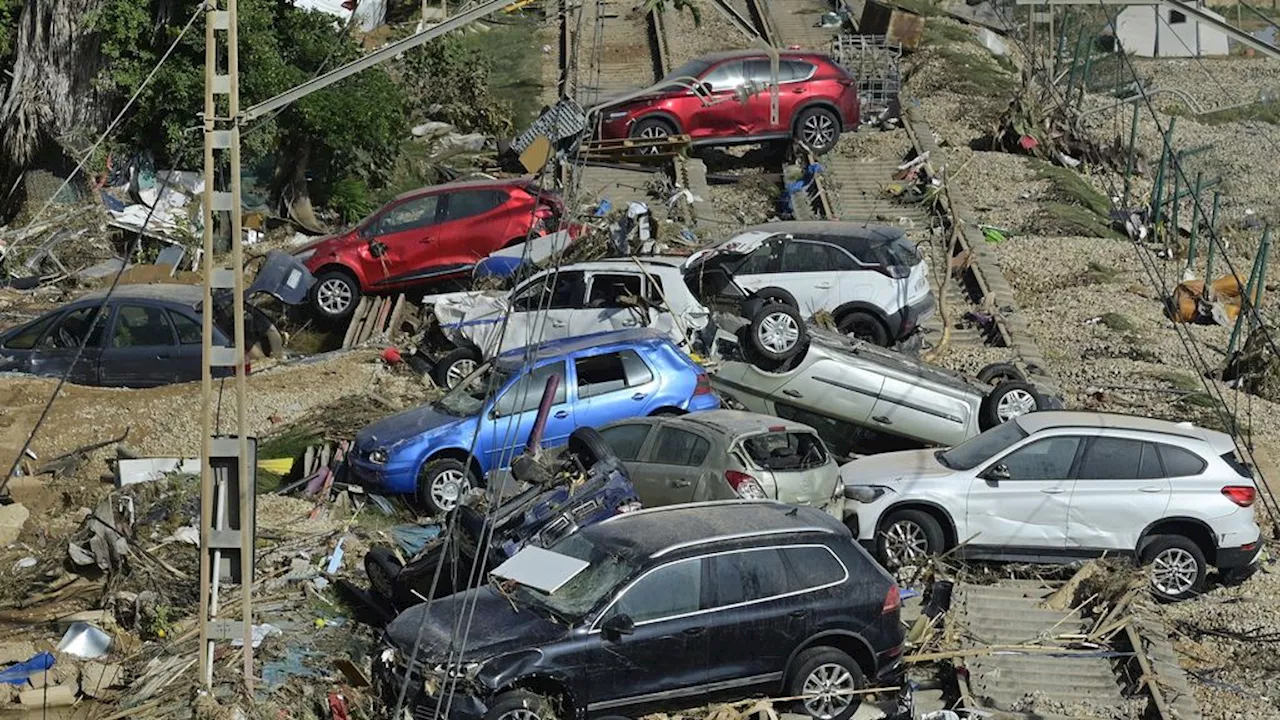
<point>424,236</point>
<point>730,101</point>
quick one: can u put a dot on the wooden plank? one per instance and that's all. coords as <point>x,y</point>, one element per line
<point>393,325</point>
<point>354,322</point>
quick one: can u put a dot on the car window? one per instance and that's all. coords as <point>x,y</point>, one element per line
<point>626,440</point>
<point>796,70</point>
<point>73,328</point>
<point>600,374</point>
<point>466,203</point>
<point>726,76</point>
<point>785,450</point>
<point>409,214</point>
<point>763,260</point>
<point>679,447</point>
<point>1149,467</point>
<point>758,71</point>
<point>525,394</point>
<point>28,338</point>
<point>638,372</point>
<point>691,69</point>
<point>748,575</point>
<point>189,331</point>
<point>813,566</point>
<point>978,449</point>
<point>670,590</point>
<point>1108,458</point>
<point>141,326</point>
<point>553,291</point>
<point>608,290</point>
<point>654,291</point>
<point>801,256</point>
<point>1048,459</point>
<point>1179,462</point>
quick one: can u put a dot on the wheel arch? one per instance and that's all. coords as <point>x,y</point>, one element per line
<point>669,411</point>
<point>663,115</point>
<point>558,690</point>
<point>825,104</point>
<point>335,266</point>
<point>452,453</point>
<point>934,510</point>
<point>1194,529</point>
<point>848,642</point>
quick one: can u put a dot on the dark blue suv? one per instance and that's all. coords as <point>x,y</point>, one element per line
<point>654,611</point>
<point>439,451</point>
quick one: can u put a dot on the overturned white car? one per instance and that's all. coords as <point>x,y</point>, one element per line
<point>570,301</point>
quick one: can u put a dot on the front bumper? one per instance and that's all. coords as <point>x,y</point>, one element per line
<point>909,318</point>
<point>380,478</point>
<point>422,704</point>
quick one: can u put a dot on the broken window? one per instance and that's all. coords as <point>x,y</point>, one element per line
<point>670,590</point>
<point>785,451</point>
<point>763,260</point>
<point>813,566</point>
<point>28,338</point>
<point>414,213</point>
<point>608,290</point>
<point>626,440</point>
<point>679,447</point>
<point>553,291</point>
<point>1048,459</point>
<point>1111,459</point>
<point>1181,463</point>
<point>141,326</point>
<point>600,374</point>
<point>748,576</point>
<point>526,393</point>
<point>1176,17</point>
<point>72,329</point>
<point>467,203</point>
<point>189,331</point>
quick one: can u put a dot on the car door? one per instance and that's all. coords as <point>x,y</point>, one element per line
<point>612,386</point>
<point>143,348</point>
<point>1021,499</point>
<point>845,388</point>
<point>400,246</point>
<point>813,272</point>
<point>615,301</point>
<point>666,656</point>
<point>917,410</point>
<point>675,467</point>
<point>543,307</point>
<point>761,267</point>
<point>1120,488</point>
<point>471,226</point>
<point>57,348</point>
<point>510,417</point>
<point>723,115</point>
<point>188,359</point>
<point>758,108</point>
<point>627,440</point>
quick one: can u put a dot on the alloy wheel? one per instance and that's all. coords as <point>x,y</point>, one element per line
<point>1015,403</point>
<point>652,132</point>
<point>828,691</point>
<point>1174,571</point>
<point>448,487</point>
<point>778,332</point>
<point>905,543</point>
<point>334,296</point>
<point>819,130</point>
<point>459,371</point>
<point>519,714</point>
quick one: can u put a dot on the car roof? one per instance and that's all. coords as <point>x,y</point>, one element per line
<point>483,183</point>
<point>735,423</point>
<point>660,531</point>
<point>749,53</point>
<point>568,346</point>
<point>1054,419</point>
<point>175,293</point>
<point>649,263</point>
<point>853,235</point>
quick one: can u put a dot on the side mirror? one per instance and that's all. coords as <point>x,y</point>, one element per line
<point>617,626</point>
<point>999,472</point>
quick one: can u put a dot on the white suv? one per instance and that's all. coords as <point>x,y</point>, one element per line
<point>871,278</point>
<point>1057,485</point>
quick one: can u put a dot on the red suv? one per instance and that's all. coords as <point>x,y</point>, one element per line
<point>817,100</point>
<point>424,236</point>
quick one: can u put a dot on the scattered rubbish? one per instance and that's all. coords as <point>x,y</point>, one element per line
<point>96,678</point>
<point>189,534</point>
<point>100,541</point>
<point>383,504</point>
<point>18,674</point>
<point>85,641</point>
<point>13,518</point>
<point>292,665</point>
<point>276,466</point>
<point>142,470</point>
<point>412,538</point>
<point>1191,302</point>
<point>258,633</point>
<point>940,715</point>
<point>47,697</point>
<point>335,560</point>
<point>391,356</point>
<point>896,24</point>
<point>24,563</point>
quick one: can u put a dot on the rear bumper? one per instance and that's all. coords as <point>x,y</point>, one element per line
<point>908,319</point>
<point>1239,557</point>
<point>709,401</point>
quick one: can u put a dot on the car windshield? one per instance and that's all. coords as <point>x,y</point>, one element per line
<point>577,597</point>
<point>977,450</point>
<point>693,68</point>
<point>468,397</point>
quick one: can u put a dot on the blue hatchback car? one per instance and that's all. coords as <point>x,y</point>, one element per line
<point>603,377</point>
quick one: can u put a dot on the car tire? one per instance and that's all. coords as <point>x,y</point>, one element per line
<point>864,326</point>
<point>1007,401</point>
<point>1176,567</point>
<point>776,332</point>
<point>905,535</point>
<point>996,373</point>
<point>652,129</point>
<point>818,129</point>
<point>520,705</point>
<point>381,566</point>
<point>589,446</point>
<point>455,366</point>
<point>825,668</point>
<point>335,295</point>
<point>442,484</point>
<point>764,296</point>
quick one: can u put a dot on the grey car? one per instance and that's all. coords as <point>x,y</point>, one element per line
<point>726,455</point>
<point>859,395</point>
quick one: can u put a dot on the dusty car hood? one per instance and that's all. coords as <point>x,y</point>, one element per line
<point>496,627</point>
<point>893,467</point>
<point>736,246</point>
<point>402,426</point>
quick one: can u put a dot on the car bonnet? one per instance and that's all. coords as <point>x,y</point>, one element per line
<point>403,426</point>
<point>738,245</point>
<point>496,627</point>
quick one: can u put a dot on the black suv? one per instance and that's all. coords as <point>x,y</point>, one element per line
<point>669,608</point>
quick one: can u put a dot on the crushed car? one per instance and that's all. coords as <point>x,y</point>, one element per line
<point>659,610</point>
<point>149,335</point>
<point>872,280</point>
<point>855,393</point>
<point>569,301</point>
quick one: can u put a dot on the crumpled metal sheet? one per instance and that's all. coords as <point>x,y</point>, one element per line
<point>565,119</point>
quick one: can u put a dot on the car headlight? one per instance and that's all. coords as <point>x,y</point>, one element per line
<point>378,456</point>
<point>305,255</point>
<point>617,115</point>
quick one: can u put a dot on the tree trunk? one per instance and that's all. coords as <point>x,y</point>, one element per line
<point>290,185</point>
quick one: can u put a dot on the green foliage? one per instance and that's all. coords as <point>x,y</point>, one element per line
<point>350,198</point>
<point>448,80</point>
<point>9,11</point>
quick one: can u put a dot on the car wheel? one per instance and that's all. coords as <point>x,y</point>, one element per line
<point>1009,400</point>
<point>1176,567</point>
<point>864,326</point>
<point>908,536</point>
<point>382,566</point>
<point>819,129</point>
<point>335,295</point>
<point>825,679</point>
<point>589,446</point>
<point>455,367</point>
<point>996,373</point>
<point>520,705</point>
<point>651,129</point>
<point>777,331</point>
<point>442,484</point>
<point>765,296</point>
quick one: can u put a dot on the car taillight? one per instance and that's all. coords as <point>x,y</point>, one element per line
<point>892,600</point>
<point>704,385</point>
<point>1242,495</point>
<point>744,485</point>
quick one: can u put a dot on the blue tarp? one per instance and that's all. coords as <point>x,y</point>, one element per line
<point>18,674</point>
